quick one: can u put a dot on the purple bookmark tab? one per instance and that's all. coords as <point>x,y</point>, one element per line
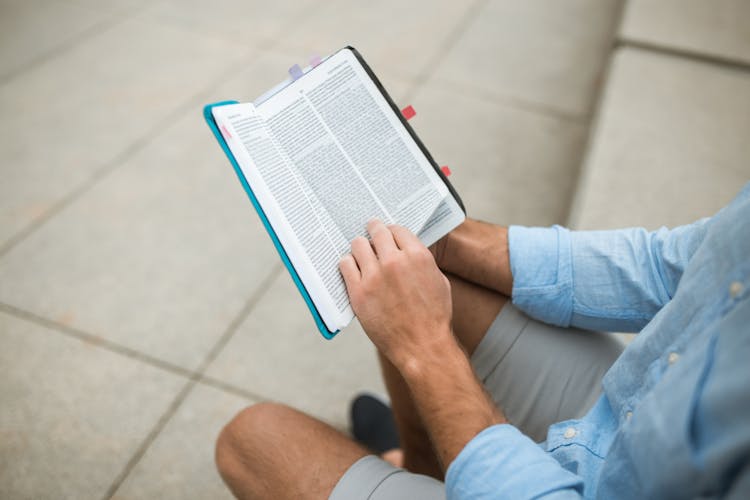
<point>295,71</point>
<point>314,60</point>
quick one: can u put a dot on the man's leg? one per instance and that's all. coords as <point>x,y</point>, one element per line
<point>474,310</point>
<point>272,451</point>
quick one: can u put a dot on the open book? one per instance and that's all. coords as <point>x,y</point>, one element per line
<point>322,154</point>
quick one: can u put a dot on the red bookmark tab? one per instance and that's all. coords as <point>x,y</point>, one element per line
<point>446,170</point>
<point>225,132</point>
<point>408,112</point>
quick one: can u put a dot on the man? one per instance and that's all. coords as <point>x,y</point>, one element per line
<point>670,418</point>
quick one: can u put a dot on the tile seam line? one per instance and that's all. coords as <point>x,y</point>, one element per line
<point>112,165</point>
<point>433,61</point>
<point>113,19</point>
<point>127,352</point>
<point>95,340</point>
<point>591,125</point>
<point>268,44</point>
<point>167,416</point>
<point>150,437</point>
<point>234,325</point>
<point>232,389</point>
<point>194,379</point>
<point>684,54</point>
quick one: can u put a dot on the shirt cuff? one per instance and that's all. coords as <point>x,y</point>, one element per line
<point>501,462</point>
<point>540,260</point>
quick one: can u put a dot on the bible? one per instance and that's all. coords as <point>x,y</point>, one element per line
<point>320,155</point>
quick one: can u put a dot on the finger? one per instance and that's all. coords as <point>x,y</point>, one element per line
<point>404,238</point>
<point>364,255</point>
<point>350,272</point>
<point>382,239</point>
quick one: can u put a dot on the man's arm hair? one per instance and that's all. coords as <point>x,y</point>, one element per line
<point>450,400</point>
<point>477,252</point>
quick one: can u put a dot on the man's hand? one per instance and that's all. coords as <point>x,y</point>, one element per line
<point>404,304</point>
<point>398,293</point>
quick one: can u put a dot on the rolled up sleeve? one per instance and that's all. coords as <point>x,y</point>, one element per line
<point>600,280</point>
<point>541,264</point>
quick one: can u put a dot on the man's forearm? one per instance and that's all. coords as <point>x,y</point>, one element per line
<point>477,252</point>
<point>449,398</point>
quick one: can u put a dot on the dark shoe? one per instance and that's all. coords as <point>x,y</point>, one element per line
<point>373,424</point>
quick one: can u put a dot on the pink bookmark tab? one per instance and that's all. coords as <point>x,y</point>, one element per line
<point>446,170</point>
<point>225,132</point>
<point>295,71</point>
<point>408,112</point>
<point>315,60</point>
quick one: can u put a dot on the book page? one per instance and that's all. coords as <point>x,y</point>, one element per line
<point>352,126</point>
<point>297,220</point>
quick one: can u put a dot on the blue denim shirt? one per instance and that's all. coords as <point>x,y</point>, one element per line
<point>673,420</point>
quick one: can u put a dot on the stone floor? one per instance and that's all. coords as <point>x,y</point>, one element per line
<point>142,304</point>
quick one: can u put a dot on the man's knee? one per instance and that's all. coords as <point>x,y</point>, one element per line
<point>243,441</point>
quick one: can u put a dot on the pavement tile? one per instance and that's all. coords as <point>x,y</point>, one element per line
<point>550,54</point>
<point>30,29</point>
<point>248,22</point>
<point>160,256</point>
<point>72,414</point>
<point>400,36</point>
<point>118,7</point>
<point>180,462</point>
<point>510,166</point>
<point>69,116</point>
<point>670,145</point>
<point>278,354</point>
<point>717,28</point>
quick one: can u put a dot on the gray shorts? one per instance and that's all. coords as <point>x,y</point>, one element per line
<point>538,374</point>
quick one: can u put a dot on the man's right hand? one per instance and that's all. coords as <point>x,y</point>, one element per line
<point>400,296</point>
<point>477,252</point>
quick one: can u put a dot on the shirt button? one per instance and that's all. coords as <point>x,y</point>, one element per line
<point>629,415</point>
<point>735,289</point>
<point>570,432</point>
